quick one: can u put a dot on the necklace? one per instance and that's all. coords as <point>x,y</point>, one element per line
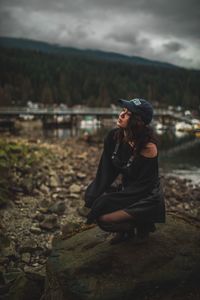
<point>132,144</point>
<point>117,161</point>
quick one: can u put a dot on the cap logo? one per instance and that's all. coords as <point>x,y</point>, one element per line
<point>136,101</point>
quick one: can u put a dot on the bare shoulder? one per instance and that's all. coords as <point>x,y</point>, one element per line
<point>150,150</point>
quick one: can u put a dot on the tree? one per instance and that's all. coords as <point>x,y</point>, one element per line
<point>46,95</point>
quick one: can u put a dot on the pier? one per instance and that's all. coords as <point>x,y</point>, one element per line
<point>52,117</point>
<point>14,112</point>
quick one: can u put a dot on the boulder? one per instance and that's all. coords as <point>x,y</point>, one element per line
<point>57,208</point>
<point>69,228</point>
<point>81,175</point>
<point>83,211</point>
<point>50,222</point>
<point>27,286</point>
<point>54,181</point>
<point>7,247</point>
<point>45,189</point>
<point>75,188</point>
<point>87,267</point>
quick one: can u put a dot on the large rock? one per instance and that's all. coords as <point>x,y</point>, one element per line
<point>87,267</point>
<point>57,208</point>
<point>50,222</point>
<point>75,188</point>
<point>25,286</point>
<point>7,247</point>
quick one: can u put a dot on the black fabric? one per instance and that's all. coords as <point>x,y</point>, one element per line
<point>117,227</point>
<point>141,231</point>
<point>141,195</point>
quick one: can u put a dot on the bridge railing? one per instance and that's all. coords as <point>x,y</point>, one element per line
<point>58,110</point>
<point>84,111</point>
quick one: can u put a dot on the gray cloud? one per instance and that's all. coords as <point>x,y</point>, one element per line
<point>174,46</point>
<point>126,37</point>
<point>156,29</point>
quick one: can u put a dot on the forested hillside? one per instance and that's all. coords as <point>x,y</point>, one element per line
<point>91,78</point>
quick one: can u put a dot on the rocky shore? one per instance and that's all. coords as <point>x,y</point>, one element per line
<point>87,267</point>
<point>42,197</point>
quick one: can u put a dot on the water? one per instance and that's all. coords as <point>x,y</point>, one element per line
<point>179,151</point>
<point>182,159</point>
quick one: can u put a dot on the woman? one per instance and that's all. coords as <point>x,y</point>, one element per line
<point>129,150</point>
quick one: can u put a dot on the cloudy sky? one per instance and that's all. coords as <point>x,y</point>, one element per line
<point>165,30</point>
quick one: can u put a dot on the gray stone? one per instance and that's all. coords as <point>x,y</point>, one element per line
<point>41,270</point>
<point>74,203</point>
<point>83,211</point>
<point>58,189</point>
<point>74,196</point>
<point>38,216</point>
<point>28,245</point>
<point>26,286</point>
<point>11,274</point>
<point>44,206</point>
<point>35,229</point>
<point>69,228</point>
<point>44,189</point>
<point>49,223</point>
<point>81,175</point>
<point>75,188</point>
<point>43,210</point>
<point>27,185</point>
<point>54,182</point>
<point>4,240</point>
<point>58,208</point>
<point>67,179</point>
<point>3,201</point>
<point>45,203</point>
<point>54,196</point>
<point>25,257</point>
<point>3,260</point>
<point>86,266</point>
<point>9,251</point>
<point>69,172</point>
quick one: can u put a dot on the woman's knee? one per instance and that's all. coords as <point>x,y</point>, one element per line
<point>105,219</point>
<point>116,216</point>
<point>108,227</point>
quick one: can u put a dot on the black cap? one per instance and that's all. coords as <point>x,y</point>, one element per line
<point>139,106</point>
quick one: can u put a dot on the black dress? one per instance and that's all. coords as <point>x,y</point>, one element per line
<point>141,195</point>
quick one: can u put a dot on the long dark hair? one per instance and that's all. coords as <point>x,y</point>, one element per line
<point>138,133</point>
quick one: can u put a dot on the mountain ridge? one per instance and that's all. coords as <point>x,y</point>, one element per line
<point>28,44</point>
<point>43,73</point>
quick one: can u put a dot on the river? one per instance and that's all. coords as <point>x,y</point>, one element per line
<point>180,156</point>
<point>179,151</point>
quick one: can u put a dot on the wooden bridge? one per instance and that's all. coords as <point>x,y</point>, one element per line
<point>44,113</point>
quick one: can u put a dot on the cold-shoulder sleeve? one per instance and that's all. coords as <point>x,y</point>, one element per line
<point>106,172</point>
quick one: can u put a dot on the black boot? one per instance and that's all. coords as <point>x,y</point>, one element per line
<point>123,236</point>
<point>143,230</point>
<point>119,237</point>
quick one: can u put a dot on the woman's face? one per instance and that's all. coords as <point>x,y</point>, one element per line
<point>123,118</point>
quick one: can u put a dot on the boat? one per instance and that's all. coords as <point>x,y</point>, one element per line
<point>90,122</point>
<point>183,126</point>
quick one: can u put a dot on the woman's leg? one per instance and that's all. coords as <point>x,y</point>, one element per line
<point>116,217</point>
<point>144,229</point>
<point>119,222</point>
<point>124,225</point>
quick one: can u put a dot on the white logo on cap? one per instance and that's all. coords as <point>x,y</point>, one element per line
<point>137,101</point>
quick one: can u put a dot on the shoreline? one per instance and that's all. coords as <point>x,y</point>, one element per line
<point>49,181</point>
